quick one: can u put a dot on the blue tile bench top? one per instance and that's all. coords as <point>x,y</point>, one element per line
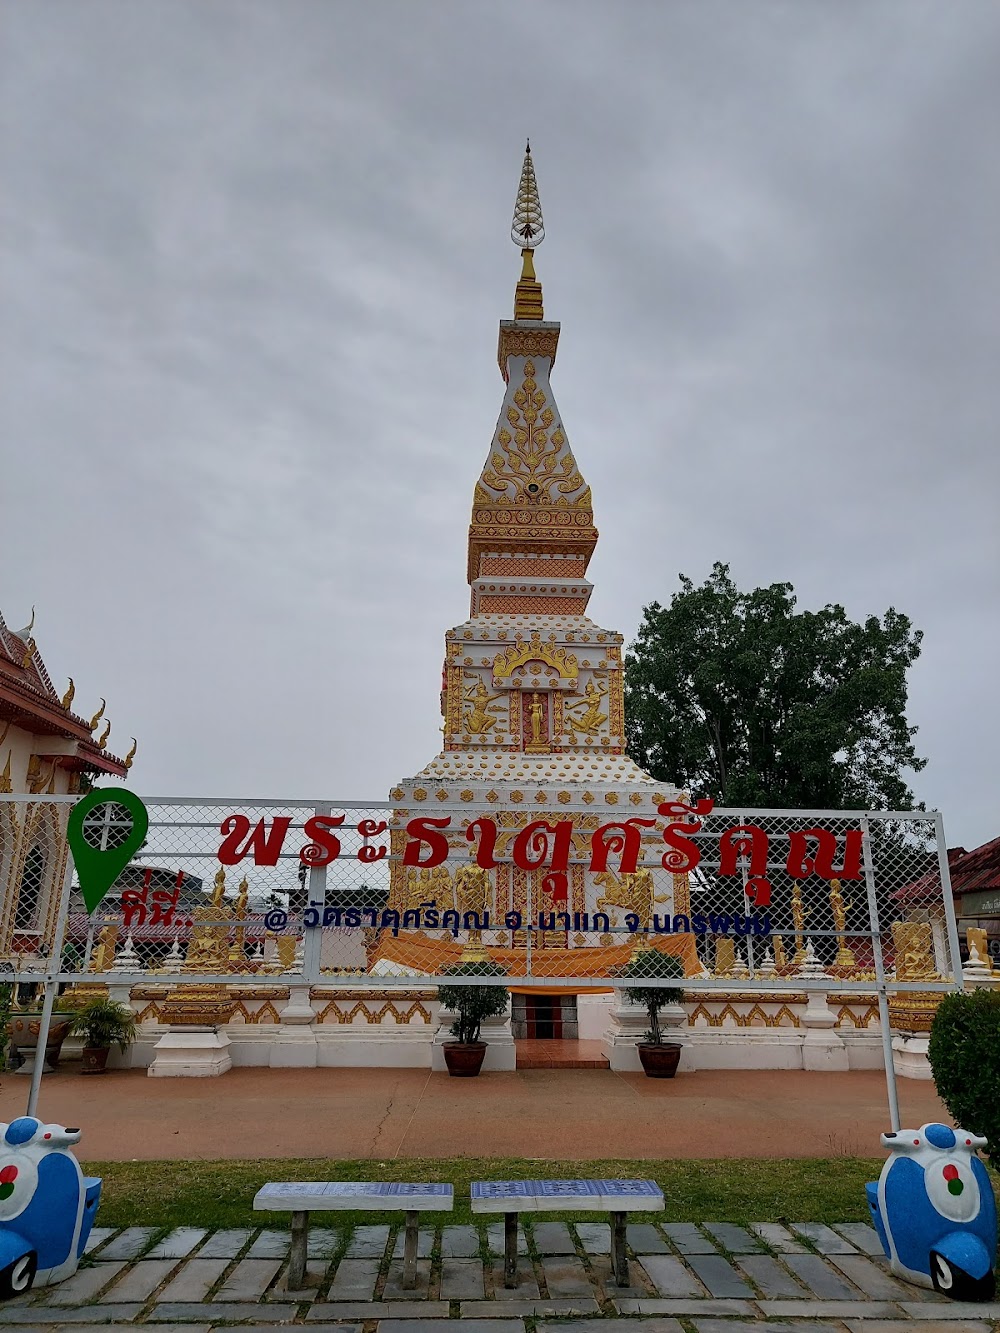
<point>610,1196</point>
<point>331,1195</point>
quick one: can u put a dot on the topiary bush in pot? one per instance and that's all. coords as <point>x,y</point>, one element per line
<point>471,1004</point>
<point>658,1058</point>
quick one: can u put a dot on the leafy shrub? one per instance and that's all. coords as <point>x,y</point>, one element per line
<point>964,1054</point>
<point>6,998</point>
<point>471,1004</point>
<point>652,964</point>
<point>103,1023</point>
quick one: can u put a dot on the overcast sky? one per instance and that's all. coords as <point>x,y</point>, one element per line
<point>253,259</point>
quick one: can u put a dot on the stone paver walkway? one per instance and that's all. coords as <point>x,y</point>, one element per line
<point>716,1278</point>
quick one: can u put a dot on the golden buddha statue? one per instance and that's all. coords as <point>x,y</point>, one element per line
<point>845,958</point>
<point>208,950</point>
<point>977,939</point>
<point>102,959</point>
<point>238,961</point>
<point>725,956</point>
<point>914,951</point>
<point>219,888</point>
<point>799,914</point>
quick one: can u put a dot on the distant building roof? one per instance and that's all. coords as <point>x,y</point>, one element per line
<point>978,870</point>
<point>970,872</point>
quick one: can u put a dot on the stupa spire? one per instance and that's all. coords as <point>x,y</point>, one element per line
<point>528,231</point>
<point>532,512</point>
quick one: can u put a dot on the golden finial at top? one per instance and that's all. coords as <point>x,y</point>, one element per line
<point>131,754</point>
<point>67,698</point>
<point>98,715</point>
<point>103,741</point>
<point>527,230</point>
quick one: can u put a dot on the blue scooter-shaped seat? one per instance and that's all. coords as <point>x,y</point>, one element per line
<point>934,1211</point>
<point>47,1205</point>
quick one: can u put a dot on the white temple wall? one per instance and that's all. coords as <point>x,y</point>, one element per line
<point>747,1031</point>
<point>593,1014</point>
<point>356,1028</point>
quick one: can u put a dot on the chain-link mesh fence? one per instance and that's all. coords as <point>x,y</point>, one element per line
<point>222,891</point>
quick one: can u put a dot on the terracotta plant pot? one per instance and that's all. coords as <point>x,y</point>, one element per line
<point>95,1059</point>
<point>464,1060</point>
<point>660,1061</point>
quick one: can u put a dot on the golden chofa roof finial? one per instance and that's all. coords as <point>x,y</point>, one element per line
<point>528,231</point>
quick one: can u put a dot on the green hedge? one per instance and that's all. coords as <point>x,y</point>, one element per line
<point>964,1054</point>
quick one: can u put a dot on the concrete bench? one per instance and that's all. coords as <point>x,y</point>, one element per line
<point>616,1197</point>
<point>303,1198</point>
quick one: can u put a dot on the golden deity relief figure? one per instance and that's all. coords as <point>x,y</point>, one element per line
<point>425,886</point>
<point>632,891</point>
<point>473,893</point>
<point>481,717</point>
<point>538,722</point>
<point>590,721</point>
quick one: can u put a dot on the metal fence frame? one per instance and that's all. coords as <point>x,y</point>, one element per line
<point>317,885</point>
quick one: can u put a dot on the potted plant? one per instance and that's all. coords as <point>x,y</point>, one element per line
<point>471,1004</point>
<point>659,1058</point>
<point>103,1023</point>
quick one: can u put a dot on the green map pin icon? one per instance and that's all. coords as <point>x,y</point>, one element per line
<point>97,868</point>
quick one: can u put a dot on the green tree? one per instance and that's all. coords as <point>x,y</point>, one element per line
<point>741,697</point>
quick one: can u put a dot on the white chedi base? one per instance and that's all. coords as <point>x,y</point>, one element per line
<point>191,1053</point>
<point>294,1045</point>
<point>909,1057</point>
<point>501,1053</point>
<point>823,1049</point>
<point>978,971</point>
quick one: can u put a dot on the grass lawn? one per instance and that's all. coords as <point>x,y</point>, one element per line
<point>220,1194</point>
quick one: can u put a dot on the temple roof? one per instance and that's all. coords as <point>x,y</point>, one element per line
<point>28,699</point>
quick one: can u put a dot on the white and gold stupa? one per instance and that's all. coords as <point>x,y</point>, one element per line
<point>532,690</point>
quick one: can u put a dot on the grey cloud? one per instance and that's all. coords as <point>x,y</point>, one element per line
<point>253,257</point>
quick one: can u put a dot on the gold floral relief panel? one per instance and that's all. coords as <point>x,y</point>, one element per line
<point>530,458</point>
<point>453,699</point>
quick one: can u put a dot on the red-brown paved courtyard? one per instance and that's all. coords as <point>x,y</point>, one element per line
<point>573,1114</point>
